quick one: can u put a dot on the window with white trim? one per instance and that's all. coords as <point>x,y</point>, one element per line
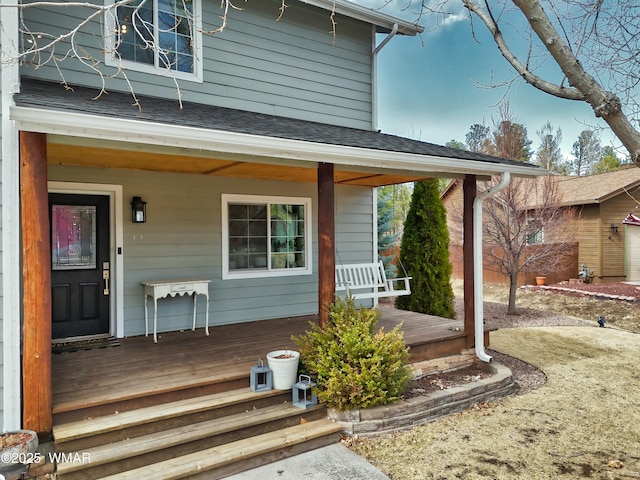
<point>157,36</point>
<point>265,236</point>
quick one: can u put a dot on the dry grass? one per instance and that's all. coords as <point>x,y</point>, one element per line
<point>619,314</point>
<point>583,423</point>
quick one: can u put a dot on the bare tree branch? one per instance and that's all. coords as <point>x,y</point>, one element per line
<point>584,87</point>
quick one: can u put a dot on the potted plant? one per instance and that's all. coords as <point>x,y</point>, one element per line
<point>284,365</point>
<point>17,449</point>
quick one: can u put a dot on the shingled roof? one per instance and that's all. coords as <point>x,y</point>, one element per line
<point>599,188</point>
<point>53,96</point>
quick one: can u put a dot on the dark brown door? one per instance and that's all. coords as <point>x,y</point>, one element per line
<point>79,264</point>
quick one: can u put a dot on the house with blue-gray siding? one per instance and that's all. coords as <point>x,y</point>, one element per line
<point>253,150</point>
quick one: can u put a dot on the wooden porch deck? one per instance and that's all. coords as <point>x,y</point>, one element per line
<point>192,363</point>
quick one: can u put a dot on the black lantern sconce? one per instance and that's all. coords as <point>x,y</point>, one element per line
<point>614,228</point>
<point>138,210</point>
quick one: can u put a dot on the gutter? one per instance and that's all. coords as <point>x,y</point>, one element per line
<point>478,320</point>
<point>374,73</point>
<point>256,147</point>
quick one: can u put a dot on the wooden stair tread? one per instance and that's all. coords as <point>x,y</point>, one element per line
<point>95,426</point>
<point>222,455</point>
<point>101,395</point>
<point>132,447</point>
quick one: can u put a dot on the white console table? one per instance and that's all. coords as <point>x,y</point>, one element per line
<point>157,289</point>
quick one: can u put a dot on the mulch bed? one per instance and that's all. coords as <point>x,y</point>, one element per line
<point>444,380</point>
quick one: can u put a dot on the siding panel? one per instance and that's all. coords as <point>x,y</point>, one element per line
<point>291,67</point>
<point>182,238</point>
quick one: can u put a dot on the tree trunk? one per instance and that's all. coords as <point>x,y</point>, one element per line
<point>513,288</point>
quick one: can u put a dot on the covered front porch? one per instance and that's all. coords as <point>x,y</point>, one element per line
<point>139,372</point>
<point>192,169</point>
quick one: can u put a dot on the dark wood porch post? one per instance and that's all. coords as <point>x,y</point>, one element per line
<point>326,241</point>
<point>469,189</point>
<point>36,281</point>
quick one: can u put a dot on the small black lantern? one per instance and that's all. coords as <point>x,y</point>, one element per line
<point>138,210</point>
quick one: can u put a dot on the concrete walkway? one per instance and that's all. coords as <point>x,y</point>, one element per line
<point>335,462</point>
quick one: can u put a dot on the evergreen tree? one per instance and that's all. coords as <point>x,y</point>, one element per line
<point>424,252</point>
<point>587,151</point>
<point>387,239</point>
<point>453,143</point>
<point>609,161</point>
<point>478,139</point>
<point>549,155</point>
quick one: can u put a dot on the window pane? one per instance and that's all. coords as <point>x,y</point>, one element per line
<point>174,32</point>
<point>135,31</point>
<point>287,236</point>
<point>247,236</point>
<point>73,237</point>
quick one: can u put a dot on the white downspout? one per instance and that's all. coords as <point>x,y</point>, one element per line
<point>478,321</point>
<point>374,74</point>
<point>374,114</point>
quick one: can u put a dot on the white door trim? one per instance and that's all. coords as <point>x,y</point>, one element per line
<point>114,192</point>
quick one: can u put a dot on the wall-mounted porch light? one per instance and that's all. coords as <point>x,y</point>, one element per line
<point>614,228</point>
<point>138,210</point>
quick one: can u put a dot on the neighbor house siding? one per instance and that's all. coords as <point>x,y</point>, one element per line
<point>614,211</point>
<point>182,238</point>
<point>293,67</point>
<point>589,233</point>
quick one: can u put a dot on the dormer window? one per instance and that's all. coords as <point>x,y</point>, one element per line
<point>150,35</point>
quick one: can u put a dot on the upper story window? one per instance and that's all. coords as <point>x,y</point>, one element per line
<point>265,236</point>
<point>158,35</point>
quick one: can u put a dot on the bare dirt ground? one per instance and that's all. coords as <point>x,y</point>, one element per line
<point>575,416</point>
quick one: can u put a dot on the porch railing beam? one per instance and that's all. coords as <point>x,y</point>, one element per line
<point>469,187</point>
<point>36,281</point>
<point>326,240</point>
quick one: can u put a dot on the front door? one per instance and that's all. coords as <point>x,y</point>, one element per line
<point>79,264</point>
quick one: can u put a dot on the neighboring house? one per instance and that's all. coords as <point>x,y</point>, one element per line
<point>264,173</point>
<point>606,247</point>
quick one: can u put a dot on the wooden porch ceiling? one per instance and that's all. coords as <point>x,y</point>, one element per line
<point>91,156</point>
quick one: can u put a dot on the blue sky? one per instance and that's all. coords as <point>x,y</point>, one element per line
<point>428,86</point>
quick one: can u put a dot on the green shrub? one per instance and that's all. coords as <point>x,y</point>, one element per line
<point>355,367</point>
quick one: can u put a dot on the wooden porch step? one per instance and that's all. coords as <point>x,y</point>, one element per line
<point>234,457</point>
<point>143,450</point>
<point>100,430</point>
<point>106,399</point>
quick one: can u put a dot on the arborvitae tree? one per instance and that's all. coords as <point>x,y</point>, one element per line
<point>424,252</point>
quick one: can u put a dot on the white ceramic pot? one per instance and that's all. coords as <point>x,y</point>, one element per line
<point>284,365</point>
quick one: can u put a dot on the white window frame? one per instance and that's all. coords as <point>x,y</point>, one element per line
<point>114,60</point>
<point>267,272</point>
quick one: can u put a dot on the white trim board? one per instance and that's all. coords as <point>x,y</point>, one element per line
<point>153,133</point>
